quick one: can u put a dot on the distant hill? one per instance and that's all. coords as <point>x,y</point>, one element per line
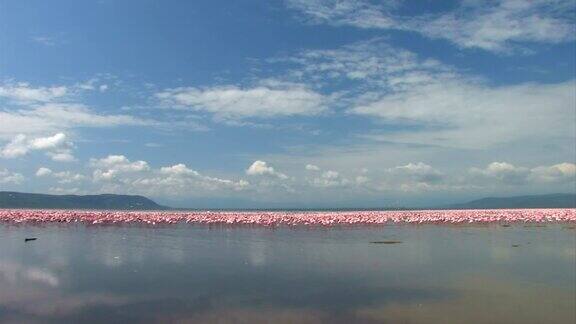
<point>535,201</point>
<point>129,202</point>
<point>104,201</point>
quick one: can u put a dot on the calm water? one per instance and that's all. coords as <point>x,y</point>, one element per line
<point>437,274</point>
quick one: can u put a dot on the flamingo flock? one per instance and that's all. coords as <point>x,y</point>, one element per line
<point>289,218</point>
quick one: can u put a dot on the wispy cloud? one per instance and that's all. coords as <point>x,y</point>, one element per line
<point>435,103</point>
<point>237,103</point>
<point>496,26</point>
<point>46,40</point>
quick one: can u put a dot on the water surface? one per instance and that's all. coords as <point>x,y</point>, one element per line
<point>192,273</point>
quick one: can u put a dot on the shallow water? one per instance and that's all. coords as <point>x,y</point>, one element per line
<point>192,273</point>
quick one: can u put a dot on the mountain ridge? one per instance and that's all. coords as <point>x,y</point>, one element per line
<point>21,200</point>
<point>11,199</point>
<point>557,200</point>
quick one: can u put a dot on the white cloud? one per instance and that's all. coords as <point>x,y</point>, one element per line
<point>438,113</point>
<point>441,105</point>
<point>330,174</point>
<point>43,143</point>
<point>63,177</point>
<point>562,172</point>
<point>37,110</point>
<point>7,177</point>
<point>17,147</point>
<point>182,177</point>
<point>42,172</point>
<point>312,167</point>
<point>262,168</point>
<point>420,172</point>
<point>362,14</point>
<point>178,169</point>
<point>503,172</point>
<point>232,102</point>
<point>45,40</point>
<point>55,117</point>
<point>329,178</point>
<point>373,62</point>
<point>24,93</point>
<point>509,174</point>
<point>112,166</point>
<point>491,25</point>
<point>56,147</point>
<point>116,173</point>
<point>79,115</point>
<point>460,113</point>
<point>62,156</point>
<point>411,177</point>
<point>500,27</point>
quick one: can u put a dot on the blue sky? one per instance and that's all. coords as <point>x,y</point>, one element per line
<point>288,103</point>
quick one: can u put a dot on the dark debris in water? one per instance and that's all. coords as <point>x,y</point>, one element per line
<point>386,242</point>
<point>28,239</point>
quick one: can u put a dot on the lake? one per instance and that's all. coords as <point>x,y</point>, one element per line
<point>72,273</point>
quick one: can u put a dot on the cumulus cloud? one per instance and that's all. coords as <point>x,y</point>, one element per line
<point>492,25</point>
<point>63,177</point>
<point>43,143</point>
<point>113,165</point>
<point>181,178</point>
<point>17,147</point>
<point>178,169</point>
<point>7,177</point>
<point>329,178</point>
<point>232,102</point>
<point>262,168</point>
<point>57,147</point>
<point>436,109</point>
<point>116,173</point>
<point>411,177</point>
<point>420,172</point>
<point>42,172</point>
<point>330,174</point>
<point>562,172</point>
<point>507,173</point>
<point>312,167</point>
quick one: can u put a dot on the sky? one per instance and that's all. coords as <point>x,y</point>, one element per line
<point>289,103</point>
